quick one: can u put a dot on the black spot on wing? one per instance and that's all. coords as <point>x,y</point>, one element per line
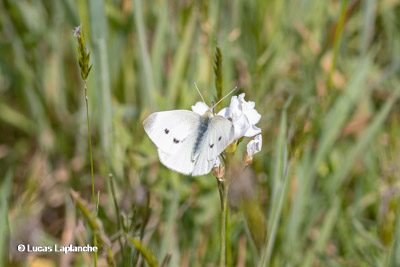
<point>166,131</point>
<point>212,145</point>
<point>219,138</point>
<point>176,141</point>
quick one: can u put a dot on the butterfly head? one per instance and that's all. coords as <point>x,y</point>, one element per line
<point>209,114</point>
<point>213,105</point>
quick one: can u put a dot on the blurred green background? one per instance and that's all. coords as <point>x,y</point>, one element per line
<point>324,190</point>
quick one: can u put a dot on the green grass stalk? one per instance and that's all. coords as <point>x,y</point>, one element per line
<point>117,212</point>
<point>90,142</point>
<point>91,166</point>
<point>5,190</point>
<point>338,38</point>
<point>83,60</point>
<point>228,238</point>
<point>223,186</point>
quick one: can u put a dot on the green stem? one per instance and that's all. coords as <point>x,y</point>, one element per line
<point>223,186</point>
<point>91,166</point>
<point>338,37</point>
<point>117,211</point>
<point>228,238</point>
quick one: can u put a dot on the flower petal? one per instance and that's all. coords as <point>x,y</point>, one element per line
<point>252,131</point>
<point>253,116</point>
<point>241,97</point>
<point>200,108</point>
<point>240,125</point>
<point>243,115</point>
<point>224,113</point>
<point>234,108</point>
<point>254,146</point>
<point>250,105</point>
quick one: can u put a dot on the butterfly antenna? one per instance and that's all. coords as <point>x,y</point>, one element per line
<point>224,97</point>
<point>199,91</point>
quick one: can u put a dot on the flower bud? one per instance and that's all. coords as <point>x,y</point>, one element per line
<point>247,159</point>
<point>219,171</point>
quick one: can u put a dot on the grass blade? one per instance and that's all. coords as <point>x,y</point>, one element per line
<point>395,251</point>
<point>147,91</point>
<point>274,219</point>
<point>98,26</point>
<point>180,59</point>
<point>280,186</point>
<point>159,47</point>
<point>148,256</point>
<point>4,225</point>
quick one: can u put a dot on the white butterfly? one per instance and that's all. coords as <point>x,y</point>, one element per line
<point>187,142</point>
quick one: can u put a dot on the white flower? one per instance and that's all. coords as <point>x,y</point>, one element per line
<point>254,146</point>
<point>244,117</point>
<point>200,108</point>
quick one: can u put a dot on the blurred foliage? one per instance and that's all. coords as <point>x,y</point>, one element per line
<point>324,75</point>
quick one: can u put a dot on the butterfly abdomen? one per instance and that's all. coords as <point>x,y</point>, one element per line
<point>202,133</point>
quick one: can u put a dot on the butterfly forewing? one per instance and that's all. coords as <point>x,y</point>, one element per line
<point>181,160</point>
<point>169,129</point>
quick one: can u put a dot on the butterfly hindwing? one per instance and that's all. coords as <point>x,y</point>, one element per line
<point>202,165</point>
<point>169,129</point>
<point>220,136</point>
